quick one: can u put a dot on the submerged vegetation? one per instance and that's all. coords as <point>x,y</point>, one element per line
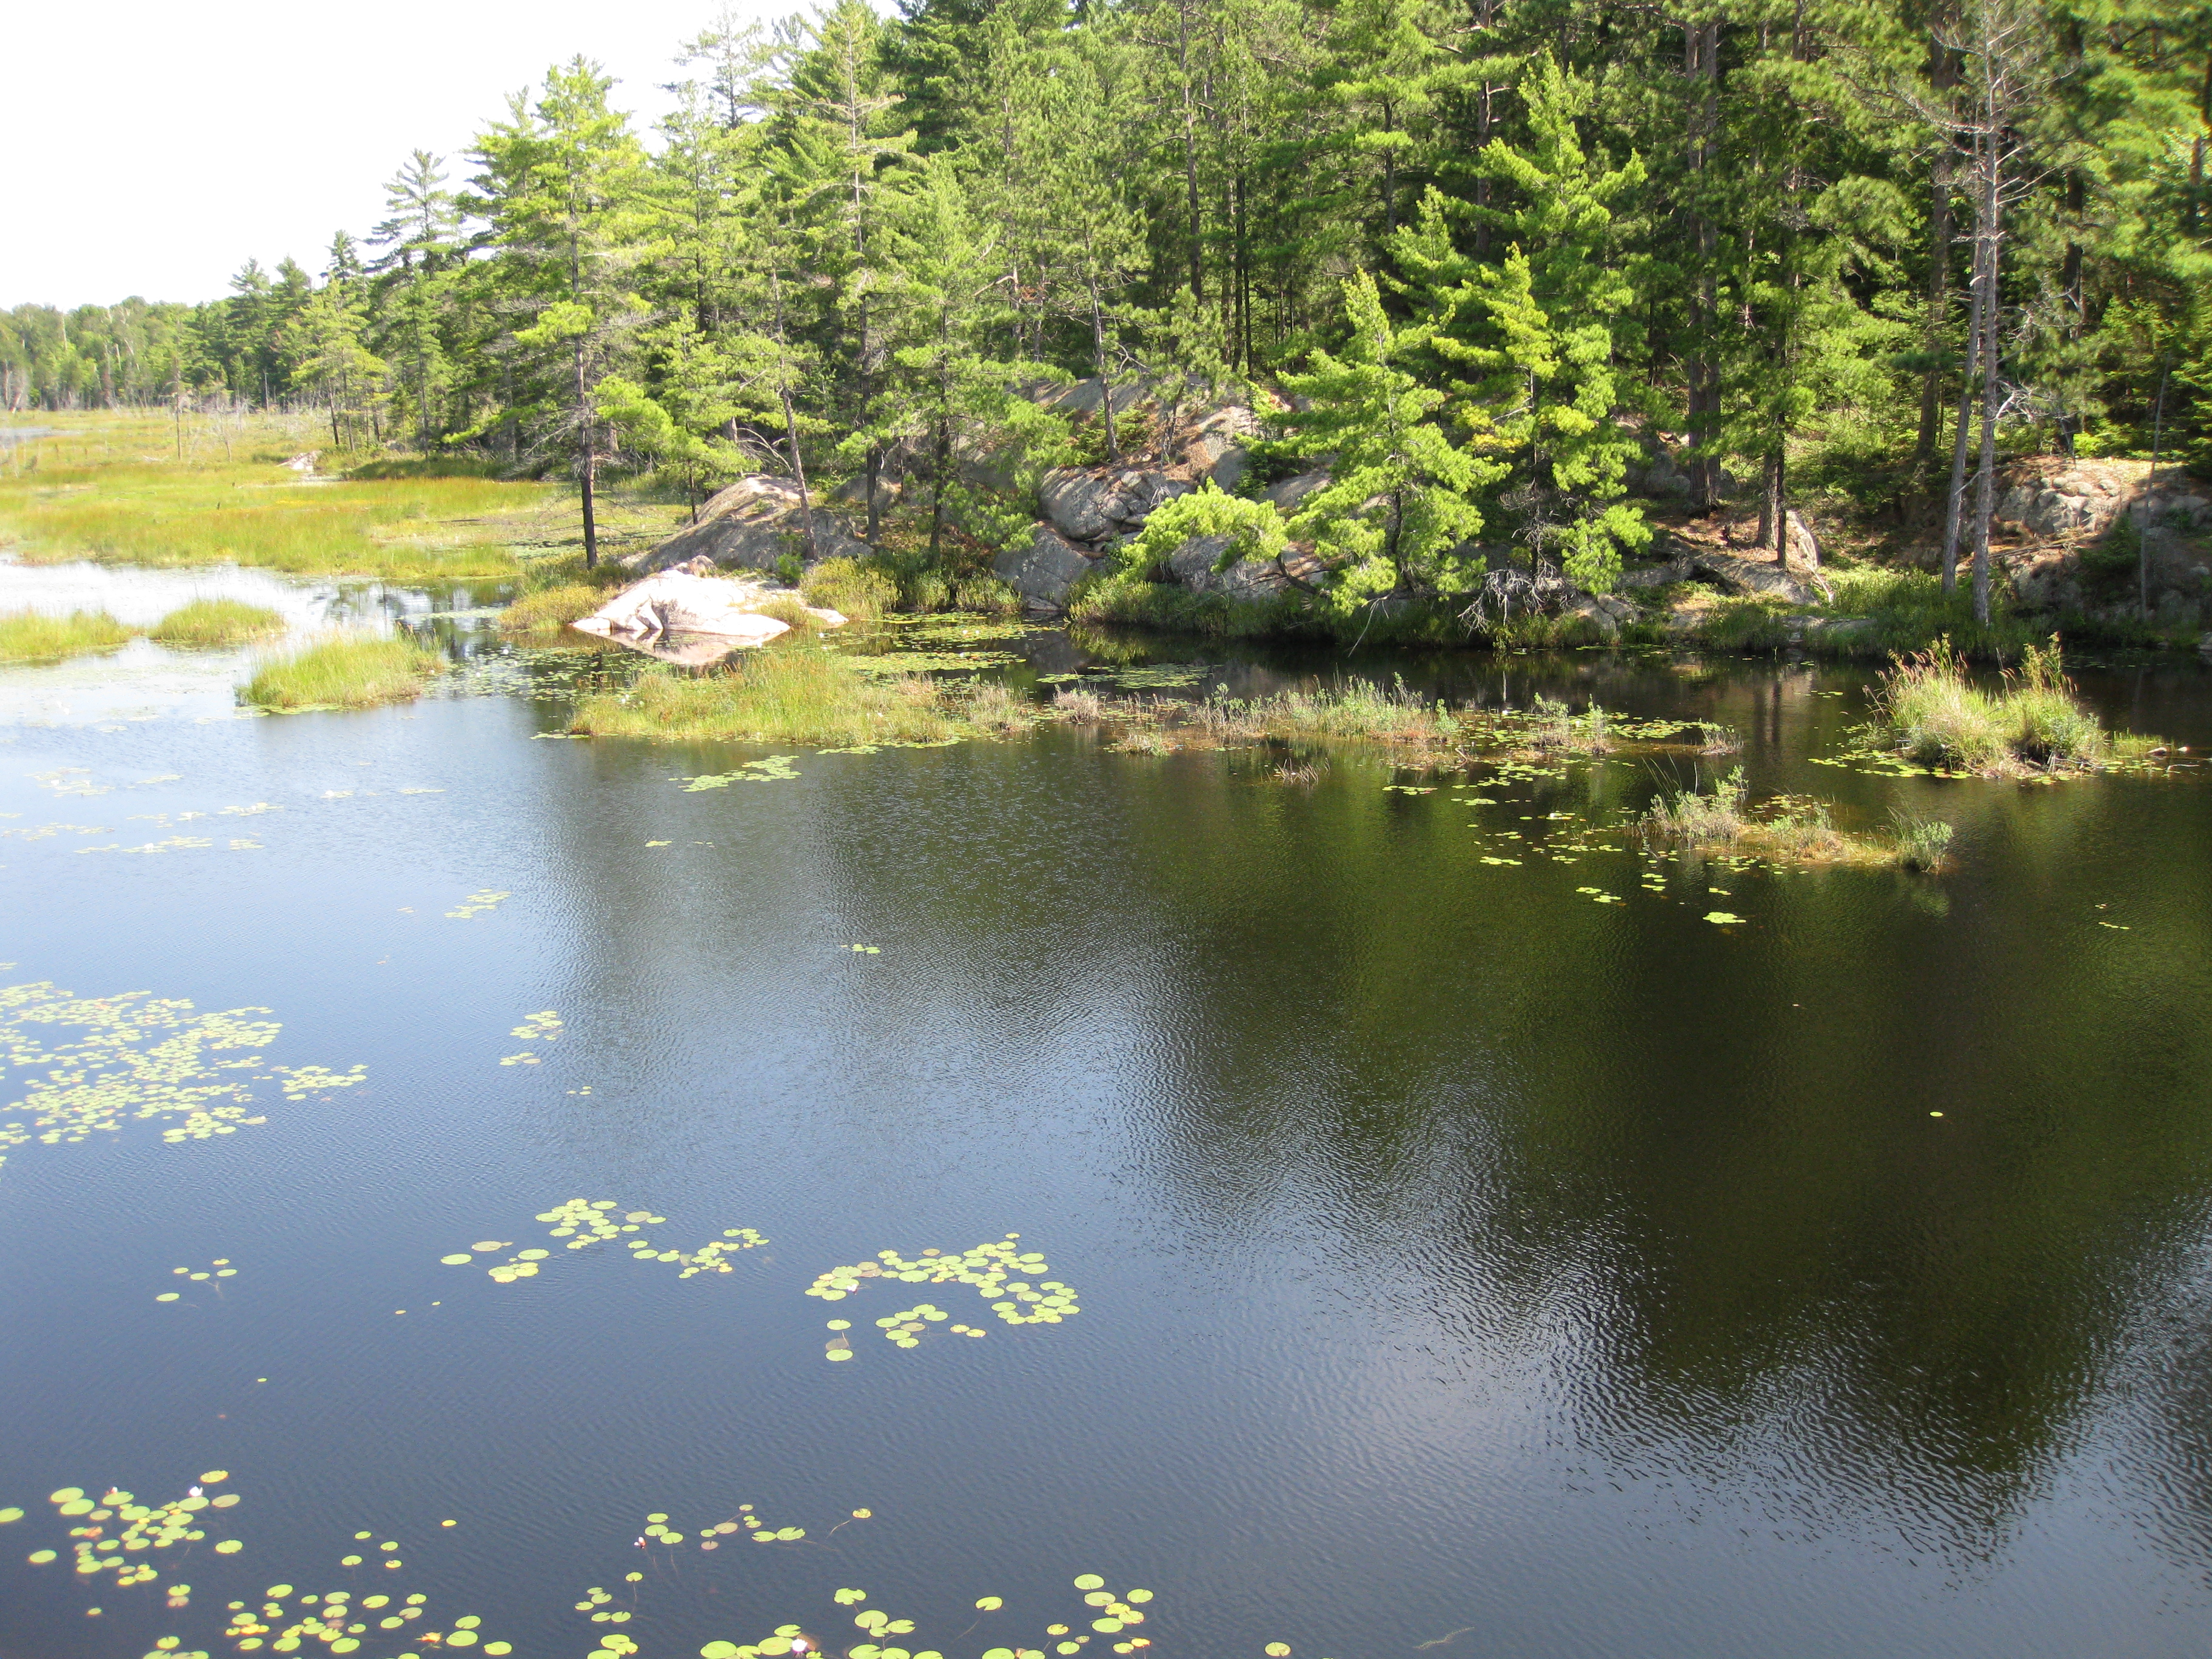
<point>345,673</point>
<point>34,635</point>
<point>216,623</point>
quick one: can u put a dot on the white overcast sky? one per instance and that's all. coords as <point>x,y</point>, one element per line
<point>157,146</point>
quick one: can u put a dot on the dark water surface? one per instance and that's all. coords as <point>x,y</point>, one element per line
<point>1466,1267</point>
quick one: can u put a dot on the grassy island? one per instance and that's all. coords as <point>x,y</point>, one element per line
<point>345,674</point>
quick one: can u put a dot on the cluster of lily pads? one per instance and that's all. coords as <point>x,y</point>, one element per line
<point>134,1057</point>
<point>1111,1620</point>
<point>139,1532</point>
<point>477,904</point>
<point>218,1268</point>
<point>341,1621</point>
<point>710,1536</point>
<point>774,769</point>
<point>545,1026</point>
<point>584,1222</point>
<point>998,1268</point>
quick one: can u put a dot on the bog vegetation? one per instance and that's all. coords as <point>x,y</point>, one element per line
<point>1479,255</point>
<point>33,635</point>
<point>216,622</point>
<point>344,673</point>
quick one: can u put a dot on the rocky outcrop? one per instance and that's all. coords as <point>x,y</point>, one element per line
<point>750,526</point>
<point>1752,579</point>
<point>694,601</point>
<point>1606,612</point>
<point>1045,571</point>
<point>2054,499</point>
<point>1199,565</point>
<point>1219,446</point>
<point>1094,504</point>
<point>1288,494</point>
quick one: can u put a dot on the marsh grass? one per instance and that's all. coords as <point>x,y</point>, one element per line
<point>2032,721</point>
<point>1785,829</point>
<point>216,623</point>
<point>33,635</point>
<point>1921,842</point>
<point>344,673</point>
<point>548,609</point>
<point>114,489</point>
<point>850,587</point>
<point>781,695</point>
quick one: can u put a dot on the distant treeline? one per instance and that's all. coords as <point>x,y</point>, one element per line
<point>1516,233</point>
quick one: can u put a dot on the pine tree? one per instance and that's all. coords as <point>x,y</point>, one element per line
<point>560,187</point>
<point>1527,343</point>
<point>1399,506</point>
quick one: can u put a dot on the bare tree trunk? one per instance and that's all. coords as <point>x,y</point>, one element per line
<point>791,420</point>
<point>1985,478</point>
<point>1701,52</point>
<point>1105,378</point>
<point>1190,153</point>
<point>1955,500</point>
<point>588,460</point>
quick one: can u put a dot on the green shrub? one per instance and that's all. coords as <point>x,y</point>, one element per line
<point>345,674</point>
<point>1693,815</point>
<point>216,622</point>
<point>1921,842</point>
<point>1256,530</point>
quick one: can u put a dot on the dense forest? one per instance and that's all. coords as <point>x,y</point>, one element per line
<point>1480,251</point>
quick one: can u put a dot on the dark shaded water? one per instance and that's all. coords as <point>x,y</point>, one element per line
<point>1466,1267</point>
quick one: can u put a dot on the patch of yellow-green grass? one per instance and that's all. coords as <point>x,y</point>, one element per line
<point>2033,721</point>
<point>860,591</point>
<point>345,673</point>
<point>1786,830</point>
<point>119,491</point>
<point>33,635</point>
<point>789,695</point>
<point>216,622</point>
<point>550,608</point>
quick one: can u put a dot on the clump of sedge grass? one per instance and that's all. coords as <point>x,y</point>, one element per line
<point>851,588</point>
<point>216,623</point>
<point>345,673</point>
<point>1921,842</point>
<point>551,608</point>
<point>1936,715</point>
<point>33,635</point>
<point>777,696</point>
<point>1702,816</point>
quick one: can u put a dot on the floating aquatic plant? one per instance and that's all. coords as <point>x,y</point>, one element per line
<point>774,768</point>
<point>1111,1619</point>
<point>477,904</point>
<point>341,1621</point>
<point>219,1269</point>
<point>585,1221</point>
<point>116,1535</point>
<point>136,1057</point>
<point>999,1270</point>
<point>542,1027</point>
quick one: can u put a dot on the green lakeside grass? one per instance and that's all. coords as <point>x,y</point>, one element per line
<point>216,623</point>
<point>113,488</point>
<point>787,696</point>
<point>345,674</point>
<point>2033,721</point>
<point>34,635</point>
<point>1786,830</point>
<point>550,608</point>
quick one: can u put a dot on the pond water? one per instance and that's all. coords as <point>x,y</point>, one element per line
<point>1465,1266</point>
